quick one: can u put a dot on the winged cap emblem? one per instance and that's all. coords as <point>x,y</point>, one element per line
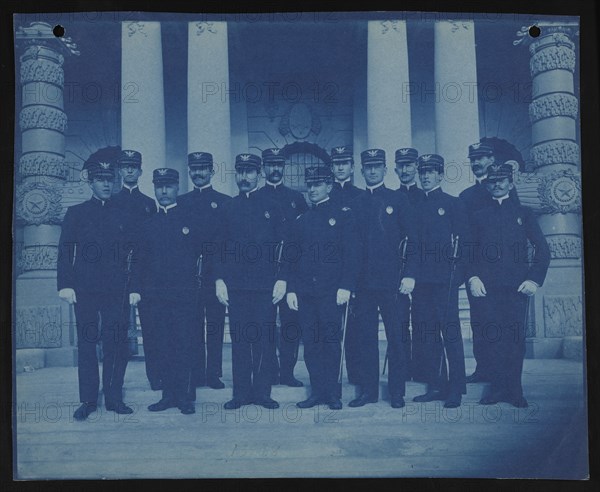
<point>340,150</point>
<point>404,151</point>
<point>130,153</point>
<point>197,155</point>
<point>162,171</point>
<point>373,153</point>
<point>245,157</point>
<point>275,151</point>
<point>476,145</point>
<point>105,165</point>
<point>426,157</point>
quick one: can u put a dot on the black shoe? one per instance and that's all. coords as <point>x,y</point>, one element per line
<point>361,401</point>
<point>187,408</point>
<point>430,396</point>
<point>215,383</point>
<point>517,401</point>
<point>235,403</point>
<point>291,381</point>
<point>84,410</point>
<point>334,403</point>
<point>477,377</point>
<point>266,403</point>
<point>162,404</point>
<point>156,385</point>
<point>397,402</point>
<point>310,402</point>
<point>118,407</point>
<point>453,400</point>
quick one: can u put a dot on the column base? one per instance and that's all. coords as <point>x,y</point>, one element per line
<point>573,348</point>
<point>28,359</point>
<point>543,348</point>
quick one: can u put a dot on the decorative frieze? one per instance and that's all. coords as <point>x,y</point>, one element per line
<point>558,104</point>
<point>556,152</point>
<point>564,247</point>
<point>552,58</point>
<point>40,257</point>
<point>43,117</point>
<point>563,316</point>
<point>42,71</point>
<point>42,164</point>
<point>38,327</point>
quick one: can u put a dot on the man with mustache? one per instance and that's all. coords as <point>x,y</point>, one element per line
<point>406,169</point>
<point>342,165</point>
<point>475,197</point>
<point>91,276</point>
<point>208,203</point>
<point>250,282</point>
<point>293,205</point>
<point>501,279</point>
<point>438,352</point>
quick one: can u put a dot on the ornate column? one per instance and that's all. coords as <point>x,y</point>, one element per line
<point>208,115</point>
<point>553,189</point>
<point>42,320</point>
<point>143,103</point>
<point>388,105</point>
<point>456,108</point>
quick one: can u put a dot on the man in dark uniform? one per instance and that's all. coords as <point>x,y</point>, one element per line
<point>206,202</point>
<point>323,271</point>
<point>502,278</point>
<point>164,279</point>
<point>292,204</point>
<point>342,165</point>
<point>406,169</point>
<point>134,208</point>
<point>388,233</point>
<point>91,275</point>
<point>250,282</point>
<point>438,352</point>
<point>474,198</point>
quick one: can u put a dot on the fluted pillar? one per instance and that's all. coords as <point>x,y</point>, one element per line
<point>42,321</point>
<point>388,105</point>
<point>208,115</point>
<point>553,189</point>
<point>143,102</point>
<point>456,108</point>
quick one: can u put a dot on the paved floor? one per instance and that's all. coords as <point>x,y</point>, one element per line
<point>422,440</point>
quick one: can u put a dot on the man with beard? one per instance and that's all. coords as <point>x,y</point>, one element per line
<point>322,274</point>
<point>475,197</point>
<point>406,169</point>
<point>293,205</point>
<point>250,283</point>
<point>438,352</point>
<point>91,276</point>
<point>204,201</point>
<point>342,165</point>
<point>135,208</point>
<point>388,234</point>
<point>502,278</point>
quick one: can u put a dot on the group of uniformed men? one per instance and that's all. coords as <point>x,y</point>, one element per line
<point>329,270</point>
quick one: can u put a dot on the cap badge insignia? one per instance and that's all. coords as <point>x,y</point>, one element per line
<point>340,150</point>
<point>476,145</point>
<point>162,171</point>
<point>441,211</point>
<point>197,155</point>
<point>345,209</point>
<point>213,205</point>
<point>267,215</point>
<point>275,151</point>
<point>185,230</point>
<point>404,151</point>
<point>373,153</point>
<point>389,209</point>
<point>519,221</point>
<point>245,157</point>
<point>332,221</point>
<point>104,165</point>
<point>129,153</point>
<point>426,157</point>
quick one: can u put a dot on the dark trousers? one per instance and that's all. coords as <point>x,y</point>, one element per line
<point>438,353</point>
<point>171,322</point>
<point>252,328</point>
<point>395,312</point>
<point>151,343</point>
<point>481,341</point>
<point>101,317</point>
<point>504,311</point>
<point>207,360</point>
<point>287,341</point>
<point>321,321</point>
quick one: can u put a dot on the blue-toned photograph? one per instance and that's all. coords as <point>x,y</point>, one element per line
<point>300,244</point>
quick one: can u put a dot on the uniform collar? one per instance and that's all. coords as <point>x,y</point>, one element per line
<point>130,190</point>
<point>480,180</point>
<point>200,189</point>
<point>167,208</point>
<point>438,187</point>
<point>342,183</point>
<point>248,193</point>
<point>274,186</point>
<point>321,203</point>
<point>97,200</point>
<point>372,189</point>
<point>408,186</point>
<point>501,199</point>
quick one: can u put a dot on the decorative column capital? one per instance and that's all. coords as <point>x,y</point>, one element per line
<point>562,30</point>
<point>204,27</point>
<point>39,34</point>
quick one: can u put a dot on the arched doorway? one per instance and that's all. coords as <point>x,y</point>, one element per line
<point>300,155</point>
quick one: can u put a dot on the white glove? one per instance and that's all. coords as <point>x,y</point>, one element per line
<point>292,301</point>
<point>67,295</point>
<point>407,285</point>
<point>343,296</point>
<point>528,287</point>
<point>221,290</point>
<point>279,290</point>
<point>134,298</point>
<point>477,287</point>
